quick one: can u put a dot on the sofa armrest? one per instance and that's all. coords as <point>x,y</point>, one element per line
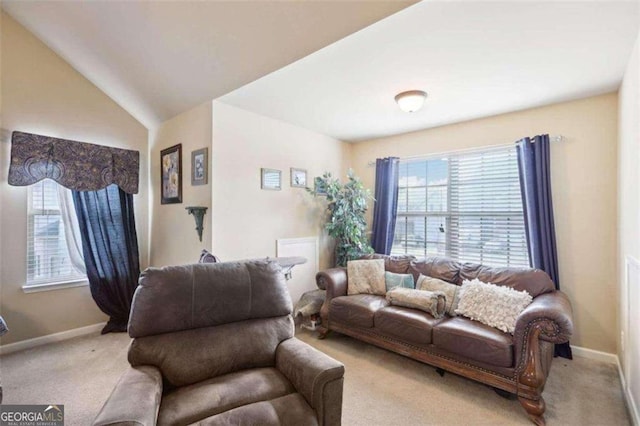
<point>554,310</point>
<point>548,318</point>
<point>135,400</point>
<point>318,377</point>
<point>334,281</point>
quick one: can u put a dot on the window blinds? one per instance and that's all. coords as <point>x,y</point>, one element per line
<point>47,254</point>
<point>465,206</point>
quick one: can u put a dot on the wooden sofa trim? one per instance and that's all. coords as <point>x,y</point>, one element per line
<point>528,391</point>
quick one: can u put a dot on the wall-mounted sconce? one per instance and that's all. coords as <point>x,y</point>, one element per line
<point>198,214</point>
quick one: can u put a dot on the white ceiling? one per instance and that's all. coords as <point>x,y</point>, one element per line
<point>160,58</point>
<point>475,59</point>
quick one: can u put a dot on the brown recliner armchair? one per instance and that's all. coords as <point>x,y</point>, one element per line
<point>213,344</point>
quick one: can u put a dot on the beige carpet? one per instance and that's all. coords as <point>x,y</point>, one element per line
<point>381,388</point>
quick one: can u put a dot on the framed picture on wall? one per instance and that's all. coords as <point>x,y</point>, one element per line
<point>298,178</point>
<point>171,175</point>
<point>271,179</point>
<point>319,186</point>
<point>199,166</point>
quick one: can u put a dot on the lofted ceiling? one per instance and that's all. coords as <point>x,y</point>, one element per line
<point>474,58</point>
<point>335,66</point>
<point>160,58</point>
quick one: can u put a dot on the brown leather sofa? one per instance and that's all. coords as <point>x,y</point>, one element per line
<point>518,363</point>
<point>213,344</point>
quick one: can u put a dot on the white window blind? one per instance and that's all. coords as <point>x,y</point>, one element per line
<point>465,206</point>
<point>47,253</point>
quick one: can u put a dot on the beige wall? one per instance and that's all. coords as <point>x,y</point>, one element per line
<point>629,219</point>
<point>247,221</point>
<point>42,94</point>
<point>584,194</point>
<point>173,237</point>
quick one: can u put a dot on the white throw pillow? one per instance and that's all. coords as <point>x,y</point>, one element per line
<point>366,277</point>
<point>493,305</point>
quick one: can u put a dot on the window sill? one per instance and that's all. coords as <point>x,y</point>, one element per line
<point>35,288</point>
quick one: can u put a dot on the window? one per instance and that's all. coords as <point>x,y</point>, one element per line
<point>48,259</point>
<point>465,206</point>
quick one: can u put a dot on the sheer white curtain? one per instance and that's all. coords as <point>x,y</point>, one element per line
<point>71,228</point>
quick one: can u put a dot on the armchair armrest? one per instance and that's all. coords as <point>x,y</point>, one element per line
<point>334,281</point>
<point>549,318</point>
<point>318,377</point>
<point>135,400</point>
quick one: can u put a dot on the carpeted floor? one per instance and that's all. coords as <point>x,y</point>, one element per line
<point>381,388</point>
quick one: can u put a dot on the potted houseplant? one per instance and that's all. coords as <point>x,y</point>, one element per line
<point>347,206</point>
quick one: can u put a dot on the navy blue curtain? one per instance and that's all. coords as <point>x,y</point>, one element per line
<point>110,248</point>
<point>386,204</point>
<point>535,183</point>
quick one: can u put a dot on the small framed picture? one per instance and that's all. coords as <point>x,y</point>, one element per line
<point>171,175</point>
<point>199,166</point>
<point>271,179</point>
<point>319,186</point>
<point>298,178</point>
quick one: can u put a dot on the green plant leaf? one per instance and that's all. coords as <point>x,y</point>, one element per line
<point>347,208</point>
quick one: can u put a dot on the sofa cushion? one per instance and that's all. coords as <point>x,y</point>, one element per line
<point>474,340</point>
<point>289,410</point>
<point>398,264</point>
<point>193,403</point>
<point>406,324</point>
<point>534,281</point>
<point>356,310</point>
<point>365,277</point>
<point>436,267</point>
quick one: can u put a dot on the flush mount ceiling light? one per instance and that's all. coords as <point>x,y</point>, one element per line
<point>411,101</point>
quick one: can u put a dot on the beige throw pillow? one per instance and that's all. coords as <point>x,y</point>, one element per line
<point>493,305</point>
<point>366,277</point>
<point>451,291</point>
<point>432,302</point>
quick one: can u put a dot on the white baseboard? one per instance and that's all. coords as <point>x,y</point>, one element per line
<point>632,408</point>
<point>595,355</point>
<point>50,338</point>
<point>634,413</point>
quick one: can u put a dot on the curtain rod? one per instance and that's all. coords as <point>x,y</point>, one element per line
<point>555,138</point>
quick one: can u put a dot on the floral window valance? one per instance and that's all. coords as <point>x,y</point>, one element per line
<point>76,165</point>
